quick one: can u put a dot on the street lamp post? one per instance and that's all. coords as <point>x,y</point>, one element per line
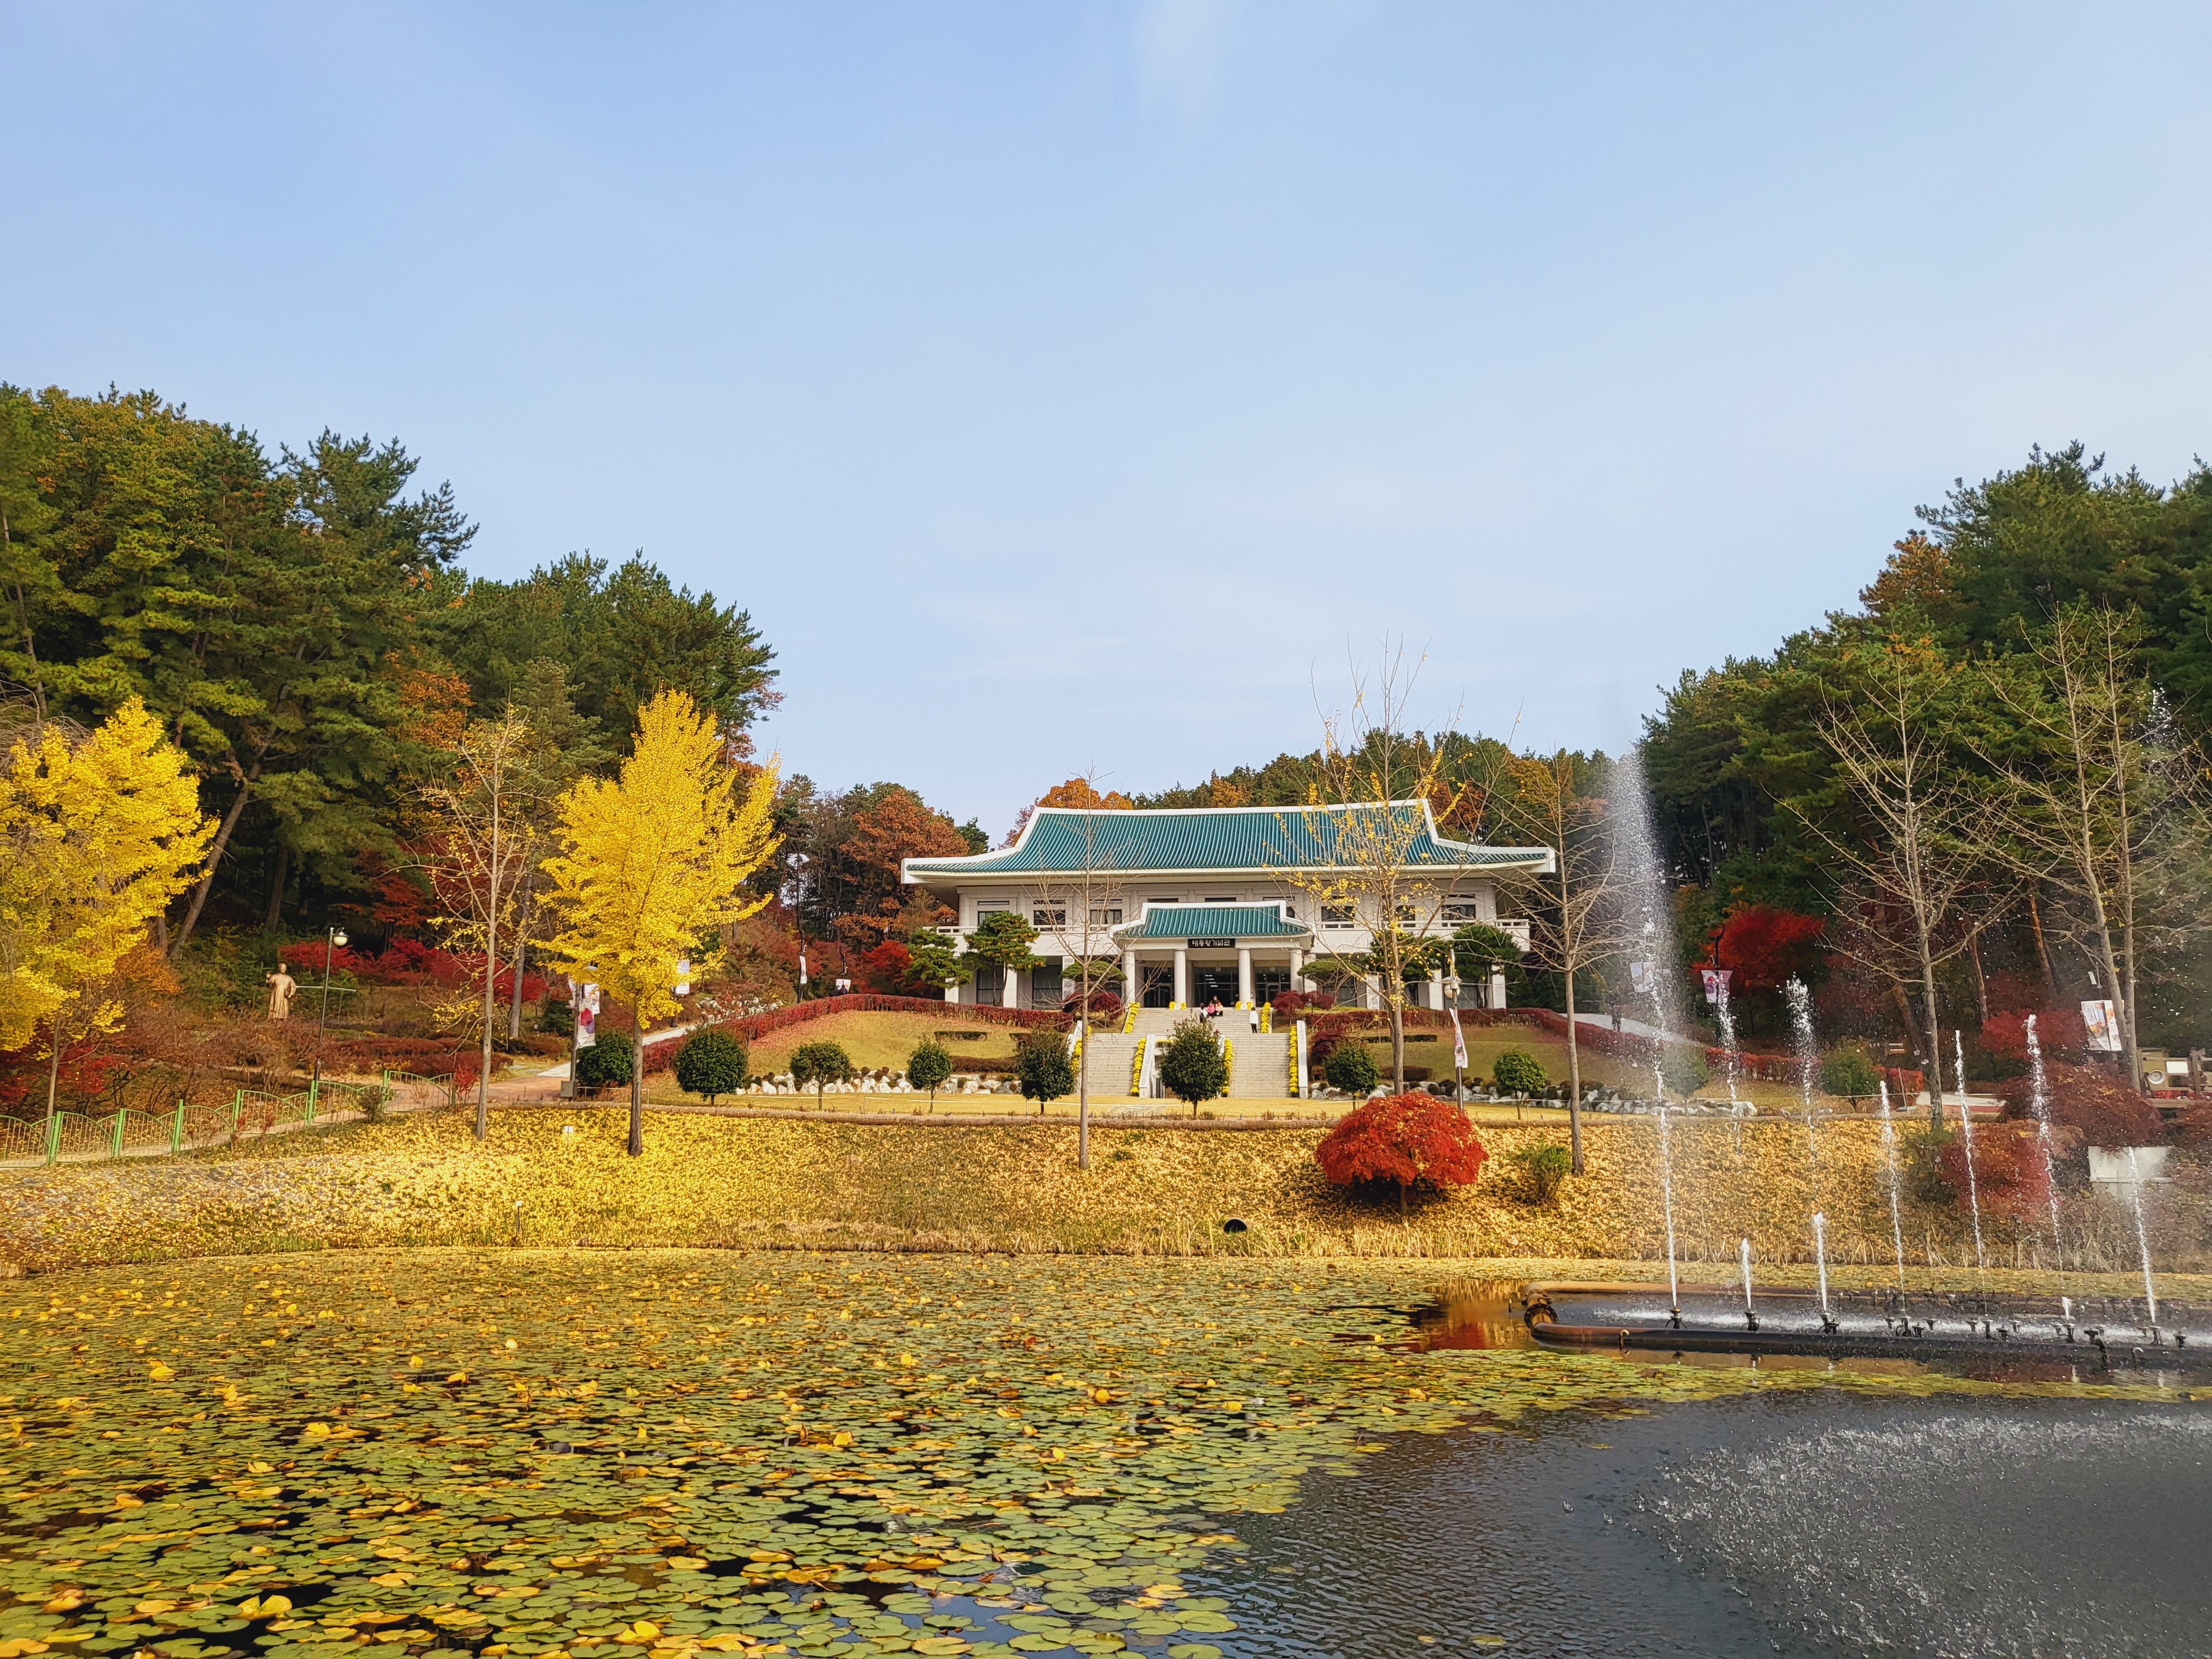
<point>334,940</point>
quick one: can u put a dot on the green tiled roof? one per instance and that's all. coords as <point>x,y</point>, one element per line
<point>1211,922</point>
<point>1197,840</point>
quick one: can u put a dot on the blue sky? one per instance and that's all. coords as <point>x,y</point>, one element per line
<point>1073,385</point>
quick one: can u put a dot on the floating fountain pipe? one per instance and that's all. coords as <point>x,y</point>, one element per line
<point>1743,1254</point>
<point>1820,1261</point>
<point>2143,1239</point>
<point>1889,1156</point>
<point>1667,1201</point>
<point>2038,1097</point>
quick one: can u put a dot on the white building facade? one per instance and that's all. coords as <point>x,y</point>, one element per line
<point>1231,904</point>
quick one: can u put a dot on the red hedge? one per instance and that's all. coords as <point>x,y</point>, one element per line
<point>1404,1139</point>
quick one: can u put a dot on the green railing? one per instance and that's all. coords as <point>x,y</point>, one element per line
<point>249,1115</point>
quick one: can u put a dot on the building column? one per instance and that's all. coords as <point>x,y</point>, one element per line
<point>1006,998</point>
<point>1436,990</point>
<point>1297,969</point>
<point>1498,990</point>
<point>952,993</point>
<point>1132,987</point>
<point>1244,975</point>
<point>1182,976</point>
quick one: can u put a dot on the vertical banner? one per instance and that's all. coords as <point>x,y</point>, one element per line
<point>684,977</point>
<point>1717,982</point>
<point>586,1004</point>
<point>1459,1039</point>
<point>2103,1020</point>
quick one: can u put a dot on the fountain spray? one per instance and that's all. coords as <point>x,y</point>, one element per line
<point>1889,1157</point>
<point>1808,1053</point>
<point>2143,1239</point>
<point>1667,1200</point>
<point>1973,1188</point>
<point>1821,1261</point>
<point>2038,1098</point>
<point>1743,1254</point>
<point>1728,1038</point>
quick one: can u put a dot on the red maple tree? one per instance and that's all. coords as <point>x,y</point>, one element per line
<point>1764,946</point>
<point>1404,1139</point>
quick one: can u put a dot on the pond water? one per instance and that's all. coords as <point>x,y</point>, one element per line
<point>1812,1523</point>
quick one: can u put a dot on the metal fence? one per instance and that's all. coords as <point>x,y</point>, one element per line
<point>249,1115</point>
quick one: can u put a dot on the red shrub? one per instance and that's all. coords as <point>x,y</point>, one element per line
<point>2059,1030</point>
<point>2089,1099</point>
<point>1404,1139</point>
<point>1291,1004</point>
<point>2010,1176</point>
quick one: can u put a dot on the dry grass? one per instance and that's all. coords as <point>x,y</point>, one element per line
<point>1156,1191</point>
<point>880,1039</point>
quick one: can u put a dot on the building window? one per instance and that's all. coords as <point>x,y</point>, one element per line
<point>1462,910</point>
<point>1045,986</point>
<point>1338,916</point>
<point>1109,916</point>
<point>1224,901</point>
<point>1056,916</point>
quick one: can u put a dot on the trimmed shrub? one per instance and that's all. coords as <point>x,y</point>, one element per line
<point>1685,1069</point>
<point>1404,1139</point>
<point>1517,1072</point>
<point>927,1067</point>
<point>1042,1067</point>
<point>711,1063</point>
<point>606,1064</point>
<point>820,1064</point>
<point>1192,1067</point>
<point>1350,1068</point>
<point>1548,1167</point>
<point>1850,1074</point>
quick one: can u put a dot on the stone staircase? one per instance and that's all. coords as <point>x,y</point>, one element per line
<point>1113,1059</point>
<point>1259,1066</point>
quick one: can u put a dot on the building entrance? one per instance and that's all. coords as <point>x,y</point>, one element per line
<point>1211,983</point>
<point>1159,984</point>
<point>1268,983</point>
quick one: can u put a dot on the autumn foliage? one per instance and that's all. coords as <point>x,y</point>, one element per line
<point>2011,1179</point>
<point>1406,1139</point>
<point>2098,1107</point>
<point>1764,946</point>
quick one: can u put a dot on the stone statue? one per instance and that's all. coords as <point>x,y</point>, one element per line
<point>282,987</point>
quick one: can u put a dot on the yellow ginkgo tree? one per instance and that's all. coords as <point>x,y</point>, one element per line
<point>99,830</point>
<point>653,862</point>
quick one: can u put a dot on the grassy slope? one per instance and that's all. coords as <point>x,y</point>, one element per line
<point>1154,1191</point>
<point>879,1039</point>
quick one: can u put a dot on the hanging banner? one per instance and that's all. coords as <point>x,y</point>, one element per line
<point>684,977</point>
<point>802,970</point>
<point>2103,1020</point>
<point>585,1001</point>
<point>1639,977</point>
<point>1717,982</point>
<point>1458,1041</point>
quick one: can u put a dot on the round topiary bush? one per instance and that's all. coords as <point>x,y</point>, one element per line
<point>1350,1068</point>
<point>928,1066</point>
<point>1849,1073</point>
<point>1685,1069</point>
<point>820,1064</point>
<point>1192,1067</point>
<point>1041,1067</point>
<point>711,1063</point>
<point>1517,1072</point>
<point>606,1064</point>
<point>1404,1139</point>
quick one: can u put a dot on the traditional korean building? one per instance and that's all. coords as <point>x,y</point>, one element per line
<point>1205,903</point>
